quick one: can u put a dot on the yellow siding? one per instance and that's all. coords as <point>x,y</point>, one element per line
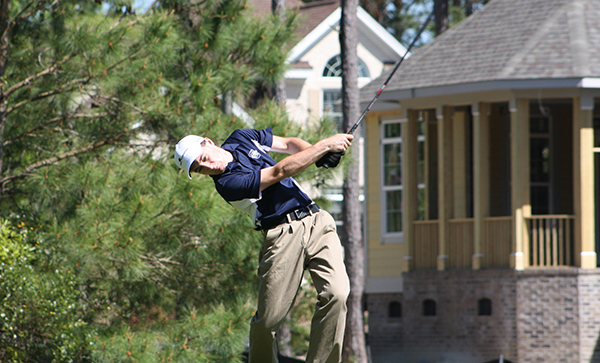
<point>383,259</point>
<point>386,260</point>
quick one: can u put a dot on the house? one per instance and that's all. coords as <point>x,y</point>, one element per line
<point>313,82</point>
<point>482,191</point>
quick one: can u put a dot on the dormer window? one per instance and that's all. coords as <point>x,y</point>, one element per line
<point>333,68</point>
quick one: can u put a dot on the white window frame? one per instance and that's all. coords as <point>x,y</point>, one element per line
<point>389,237</point>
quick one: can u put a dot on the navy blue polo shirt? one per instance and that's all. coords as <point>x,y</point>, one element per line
<point>239,184</point>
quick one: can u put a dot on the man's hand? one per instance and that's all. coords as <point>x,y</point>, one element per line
<point>302,156</point>
<point>330,160</point>
<point>337,144</point>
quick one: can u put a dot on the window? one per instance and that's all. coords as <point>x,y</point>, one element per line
<point>391,153</point>
<point>484,307</point>
<point>421,197</point>
<point>429,307</point>
<point>540,146</point>
<point>334,197</point>
<point>330,97</point>
<point>395,309</point>
<point>333,68</point>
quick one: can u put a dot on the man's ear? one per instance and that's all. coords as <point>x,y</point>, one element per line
<point>209,141</point>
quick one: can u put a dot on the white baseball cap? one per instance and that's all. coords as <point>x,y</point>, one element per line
<point>186,151</point>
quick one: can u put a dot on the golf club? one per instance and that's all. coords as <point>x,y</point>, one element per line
<point>329,159</point>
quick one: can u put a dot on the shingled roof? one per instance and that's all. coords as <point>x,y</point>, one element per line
<point>313,14</point>
<point>504,42</point>
<point>310,14</point>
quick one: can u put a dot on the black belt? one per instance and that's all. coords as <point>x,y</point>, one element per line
<point>294,215</point>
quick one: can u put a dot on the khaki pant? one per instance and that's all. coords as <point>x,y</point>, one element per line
<point>288,249</point>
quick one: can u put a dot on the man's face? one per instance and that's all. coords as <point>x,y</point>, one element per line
<point>211,161</point>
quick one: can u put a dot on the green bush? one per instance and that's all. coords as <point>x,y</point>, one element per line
<point>40,313</point>
<point>217,335</point>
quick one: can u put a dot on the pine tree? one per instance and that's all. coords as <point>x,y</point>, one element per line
<point>93,98</point>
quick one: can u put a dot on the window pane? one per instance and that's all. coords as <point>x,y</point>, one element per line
<point>392,164</point>
<point>394,211</point>
<point>392,130</point>
<point>540,159</point>
<point>333,68</point>
<point>421,201</point>
<point>421,162</point>
<point>539,125</point>
<point>363,71</point>
<point>540,199</point>
<point>329,99</point>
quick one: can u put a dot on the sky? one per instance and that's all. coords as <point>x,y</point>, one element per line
<point>142,4</point>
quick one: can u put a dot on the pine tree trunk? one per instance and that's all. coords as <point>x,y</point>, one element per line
<point>468,7</point>
<point>278,90</point>
<point>441,16</point>
<point>354,338</point>
<point>3,57</point>
<point>284,335</point>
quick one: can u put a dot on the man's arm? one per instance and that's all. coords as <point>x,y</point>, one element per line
<point>302,156</point>
<point>288,145</point>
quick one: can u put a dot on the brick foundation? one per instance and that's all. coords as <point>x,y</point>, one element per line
<point>538,315</point>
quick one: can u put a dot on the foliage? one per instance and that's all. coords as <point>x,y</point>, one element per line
<point>41,319</point>
<point>404,18</point>
<point>216,337</point>
<point>138,263</point>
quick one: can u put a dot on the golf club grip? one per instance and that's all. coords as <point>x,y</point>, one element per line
<point>328,160</point>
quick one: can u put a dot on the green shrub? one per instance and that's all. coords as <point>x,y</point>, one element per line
<point>217,335</point>
<point>40,310</point>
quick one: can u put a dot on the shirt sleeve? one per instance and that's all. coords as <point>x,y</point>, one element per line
<point>238,185</point>
<point>263,137</point>
<point>243,181</point>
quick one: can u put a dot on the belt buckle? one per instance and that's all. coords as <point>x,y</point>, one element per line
<point>299,213</point>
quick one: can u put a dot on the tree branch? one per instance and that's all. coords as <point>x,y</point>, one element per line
<point>30,79</point>
<point>24,16</point>
<point>55,159</point>
<point>52,121</point>
<point>118,100</point>
<point>74,84</point>
<point>150,8</point>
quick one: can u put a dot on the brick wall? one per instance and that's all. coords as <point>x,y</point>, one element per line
<point>542,315</point>
<point>589,314</point>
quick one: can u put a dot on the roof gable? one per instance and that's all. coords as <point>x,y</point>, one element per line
<point>320,18</point>
<point>508,40</point>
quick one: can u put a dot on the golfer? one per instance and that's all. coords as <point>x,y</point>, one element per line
<point>298,235</point>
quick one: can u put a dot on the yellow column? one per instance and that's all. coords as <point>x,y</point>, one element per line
<point>481,177</point>
<point>444,116</point>
<point>519,158</point>
<point>409,181</point>
<point>583,184</point>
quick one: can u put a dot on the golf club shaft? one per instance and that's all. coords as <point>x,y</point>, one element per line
<point>357,123</point>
